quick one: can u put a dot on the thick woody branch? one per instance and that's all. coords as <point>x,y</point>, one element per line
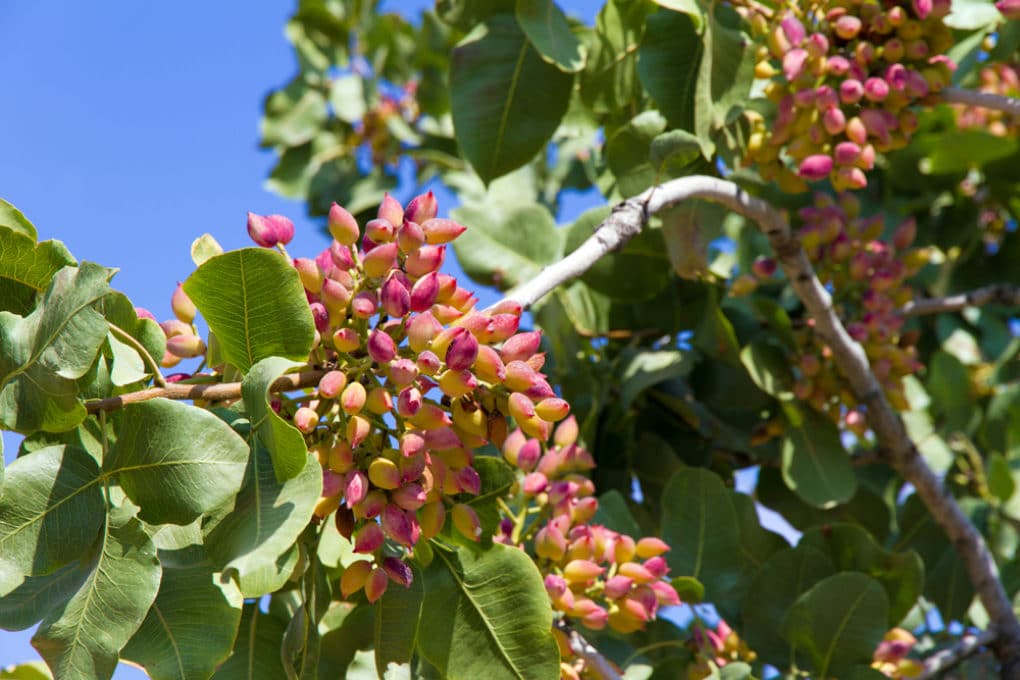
<point>630,216</point>
<point>1001,294</point>
<point>986,100</point>
<point>945,659</point>
<point>597,664</point>
<point>214,392</point>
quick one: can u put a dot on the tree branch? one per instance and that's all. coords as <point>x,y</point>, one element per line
<point>597,664</point>
<point>987,100</point>
<point>630,216</point>
<point>1001,294</point>
<point>969,645</point>
<point>214,392</point>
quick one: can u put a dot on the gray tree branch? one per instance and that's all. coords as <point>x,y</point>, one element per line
<point>987,100</point>
<point>597,664</point>
<point>1001,294</point>
<point>629,217</point>
<point>969,645</point>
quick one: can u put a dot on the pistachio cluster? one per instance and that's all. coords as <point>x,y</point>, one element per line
<point>714,649</point>
<point>843,75</point>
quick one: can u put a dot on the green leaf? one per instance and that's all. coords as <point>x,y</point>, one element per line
<point>11,218</point>
<point>769,368</point>
<point>43,354</point>
<point>688,228</point>
<point>263,523</point>
<point>668,60</point>
<point>204,248</point>
<point>852,548</point>
<point>815,465</point>
<point>638,271</point>
<point>294,115</point>
<point>643,369</point>
<point>190,628</point>
<point>609,82</point>
<point>686,6</point>
<point>968,15</point>
<point>51,510</point>
<point>780,581</point>
<point>124,320</point>
<point>256,654</point>
<point>26,268</point>
<point>700,525</point>
<point>486,614</point>
<point>546,27</point>
<point>628,152</point>
<point>1000,477</point>
<point>396,622</point>
<point>284,442</point>
<point>838,623</point>
<point>497,477</point>
<point>677,148</point>
<point>37,596</point>
<point>506,100</point>
<point>254,302</point>
<point>949,385</point>
<point>127,365</point>
<point>956,151</point>
<point>347,95</point>
<point>83,639</point>
<point>33,670</point>
<point>347,631</point>
<point>508,247</point>
<point>176,461</point>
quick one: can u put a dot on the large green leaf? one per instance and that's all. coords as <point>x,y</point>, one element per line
<point>668,61</point>
<point>11,218</point>
<point>815,465</point>
<point>506,100</point>
<point>26,268</point>
<point>176,461</point>
<point>123,318</point>
<point>699,523</point>
<point>780,581</point>
<point>285,443</point>
<point>43,354</point>
<point>852,548</point>
<point>486,614</point>
<point>628,152</point>
<point>83,639</point>
<point>640,370</point>
<point>396,622</point>
<point>546,27</point>
<point>769,368</point>
<point>507,247</point>
<point>190,628</point>
<point>294,114</point>
<point>51,510</point>
<point>254,302</point>
<point>37,596</point>
<point>260,526</point>
<point>838,623</point>
<point>609,82</point>
<point>348,632</point>
<point>256,654</point>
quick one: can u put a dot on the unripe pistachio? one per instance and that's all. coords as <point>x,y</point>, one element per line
<point>379,260</point>
<point>384,473</point>
<point>270,230</point>
<point>410,237</point>
<point>369,538</point>
<point>439,231</point>
<point>346,340</point>
<point>423,293</point>
<point>185,346</point>
<point>550,543</point>
<point>381,347</point>
<point>397,524</point>
<point>306,419</point>
<point>182,306</point>
<point>424,260</point>
<point>815,167</point>
<point>582,571</point>
<point>847,27</point>
<point>462,351</point>
<point>332,384</point>
<point>376,584</point>
<point>354,577</point>
<point>421,208</point>
<point>357,430</point>
<point>552,409</point>
<point>342,225</point>
<point>353,397</point>
<point>465,520</point>
<point>379,401</point>
<point>380,231</point>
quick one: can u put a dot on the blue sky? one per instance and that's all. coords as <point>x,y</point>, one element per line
<point>130,128</point>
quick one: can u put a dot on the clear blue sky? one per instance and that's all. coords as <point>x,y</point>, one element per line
<point>130,128</point>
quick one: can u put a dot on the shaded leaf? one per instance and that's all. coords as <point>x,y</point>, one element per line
<point>83,639</point>
<point>37,596</point>
<point>176,461</point>
<point>396,621</point>
<point>26,268</point>
<point>190,628</point>
<point>815,465</point>
<point>769,368</point>
<point>628,152</point>
<point>614,514</point>
<point>505,99</point>
<point>546,27</point>
<point>51,511</point>
<point>293,115</point>
<point>668,61</point>
<point>284,442</point>
<point>643,369</point>
<point>486,614</point>
<point>609,82</point>
<point>254,302</point>
<point>43,354</point>
<point>256,654</point>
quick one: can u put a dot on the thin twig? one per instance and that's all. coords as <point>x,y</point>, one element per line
<point>969,645</point>
<point>986,100</point>
<point>214,392</point>
<point>629,217</point>
<point>597,664</point>
<point>1000,294</point>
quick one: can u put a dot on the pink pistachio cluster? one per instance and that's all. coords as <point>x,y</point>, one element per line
<point>592,574</point>
<point>890,658</point>
<point>844,74</point>
<point>867,276</point>
<point>182,340</point>
<point>1000,79</point>
<point>714,649</point>
<point>418,379</point>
